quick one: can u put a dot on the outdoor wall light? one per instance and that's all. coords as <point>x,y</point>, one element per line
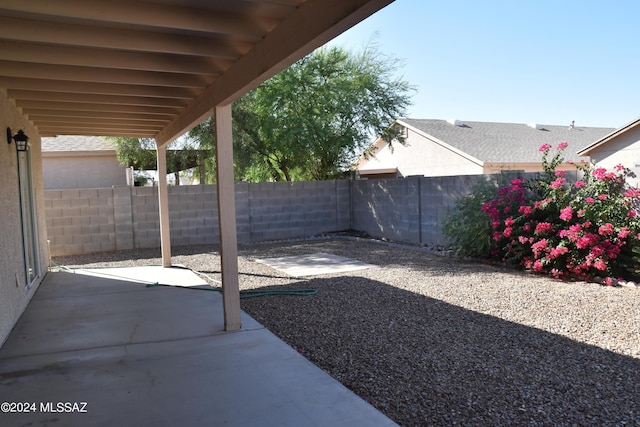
<point>20,139</point>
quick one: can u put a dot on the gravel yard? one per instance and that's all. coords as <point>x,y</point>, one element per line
<point>432,340</point>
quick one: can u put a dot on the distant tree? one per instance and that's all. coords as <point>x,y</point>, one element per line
<point>140,153</point>
<point>312,120</point>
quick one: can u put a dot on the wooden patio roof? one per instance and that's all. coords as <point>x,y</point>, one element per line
<point>153,68</point>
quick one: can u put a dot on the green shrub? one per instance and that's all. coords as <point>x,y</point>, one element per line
<point>468,228</point>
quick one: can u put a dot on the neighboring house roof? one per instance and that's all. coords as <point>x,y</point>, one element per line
<point>491,142</point>
<point>605,139</point>
<point>76,143</point>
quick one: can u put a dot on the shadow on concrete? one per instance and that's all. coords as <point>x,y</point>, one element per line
<point>92,351</point>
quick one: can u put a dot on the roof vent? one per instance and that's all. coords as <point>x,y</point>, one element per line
<point>535,126</point>
<point>455,122</point>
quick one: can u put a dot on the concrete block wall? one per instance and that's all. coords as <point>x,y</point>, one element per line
<point>287,210</point>
<point>438,197</point>
<point>80,221</point>
<point>388,208</point>
<point>97,220</point>
<point>406,210</point>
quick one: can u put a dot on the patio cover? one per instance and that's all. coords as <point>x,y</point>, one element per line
<point>156,68</point>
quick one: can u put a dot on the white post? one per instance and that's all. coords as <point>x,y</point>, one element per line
<point>163,205</point>
<point>227,218</point>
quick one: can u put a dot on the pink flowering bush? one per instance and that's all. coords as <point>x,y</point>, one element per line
<point>588,230</point>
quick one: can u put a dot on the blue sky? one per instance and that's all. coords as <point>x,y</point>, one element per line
<point>548,62</point>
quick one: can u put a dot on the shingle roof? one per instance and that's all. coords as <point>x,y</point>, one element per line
<point>508,142</point>
<point>77,143</point>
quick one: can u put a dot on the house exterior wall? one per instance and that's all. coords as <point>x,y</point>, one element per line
<point>91,170</point>
<point>420,156</point>
<point>624,149</point>
<point>14,294</point>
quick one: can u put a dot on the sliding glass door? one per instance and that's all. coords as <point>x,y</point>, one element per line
<point>29,220</point>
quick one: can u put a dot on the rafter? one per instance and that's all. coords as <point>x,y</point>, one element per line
<point>108,59</point>
<point>97,88</point>
<point>120,39</point>
<point>122,100</point>
<point>37,114</point>
<point>59,105</point>
<point>149,15</point>
<point>101,75</point>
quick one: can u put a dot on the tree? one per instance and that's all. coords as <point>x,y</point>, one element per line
<point>312,120</point>
<point>140,153</point>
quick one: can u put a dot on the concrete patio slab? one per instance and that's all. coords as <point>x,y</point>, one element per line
<point>152,274</point>
<point>102,352</point>
<point>314,264</point>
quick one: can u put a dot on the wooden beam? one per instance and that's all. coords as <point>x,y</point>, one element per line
<point>114,108</point>
<point>109,59</point>
<point>156,15</point>
<point>163,207</point>
<point>13,28</point>
<point>313,24</point>
<point>40,114</point>
<point>102,75</point>
<point>227,219</point>
<point>52,132</point>
<point>122,100</point>
<point>97,88</point>
<point>88,123</point>
<point>98,130</point>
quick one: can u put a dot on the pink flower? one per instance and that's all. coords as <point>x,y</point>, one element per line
<point>603,197</point>
<point>623,233</point>
<point>587,240</point>
<point>539,247</point>
<point>605,229</point>
<point>544,227</point>
<point>563,145</point>
<point>560,173</point>
<point>558,251</point>
<point>507,232</point>
<point>525,210</point>
<point>608,281</point>
<point>589,200</point>
<point>619,167</point>
<point>632,214</point>
<point>537,265</point>
<point>509,222</point>
<point>579,184</point>
<point>600,265</point>
<point>544,147</point>
<point>566,213</point>
<point>557,183</point>
<point>516,182</point>
<point>632,192</point>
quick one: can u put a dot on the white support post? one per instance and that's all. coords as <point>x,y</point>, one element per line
<point>227,218</point>
<point>163,206</point>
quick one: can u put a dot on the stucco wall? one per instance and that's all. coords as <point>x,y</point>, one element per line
<point>625,150</point>
<point>14,294</point>
<point>88,171</point>
<point>422,157</point>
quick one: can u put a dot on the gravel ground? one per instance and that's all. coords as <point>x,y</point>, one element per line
<point>432,340</point>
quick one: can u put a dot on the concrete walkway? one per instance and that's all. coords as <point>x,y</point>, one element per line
<point>96,351</point>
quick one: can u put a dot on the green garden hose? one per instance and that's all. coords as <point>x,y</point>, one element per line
<point>244,294</point>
